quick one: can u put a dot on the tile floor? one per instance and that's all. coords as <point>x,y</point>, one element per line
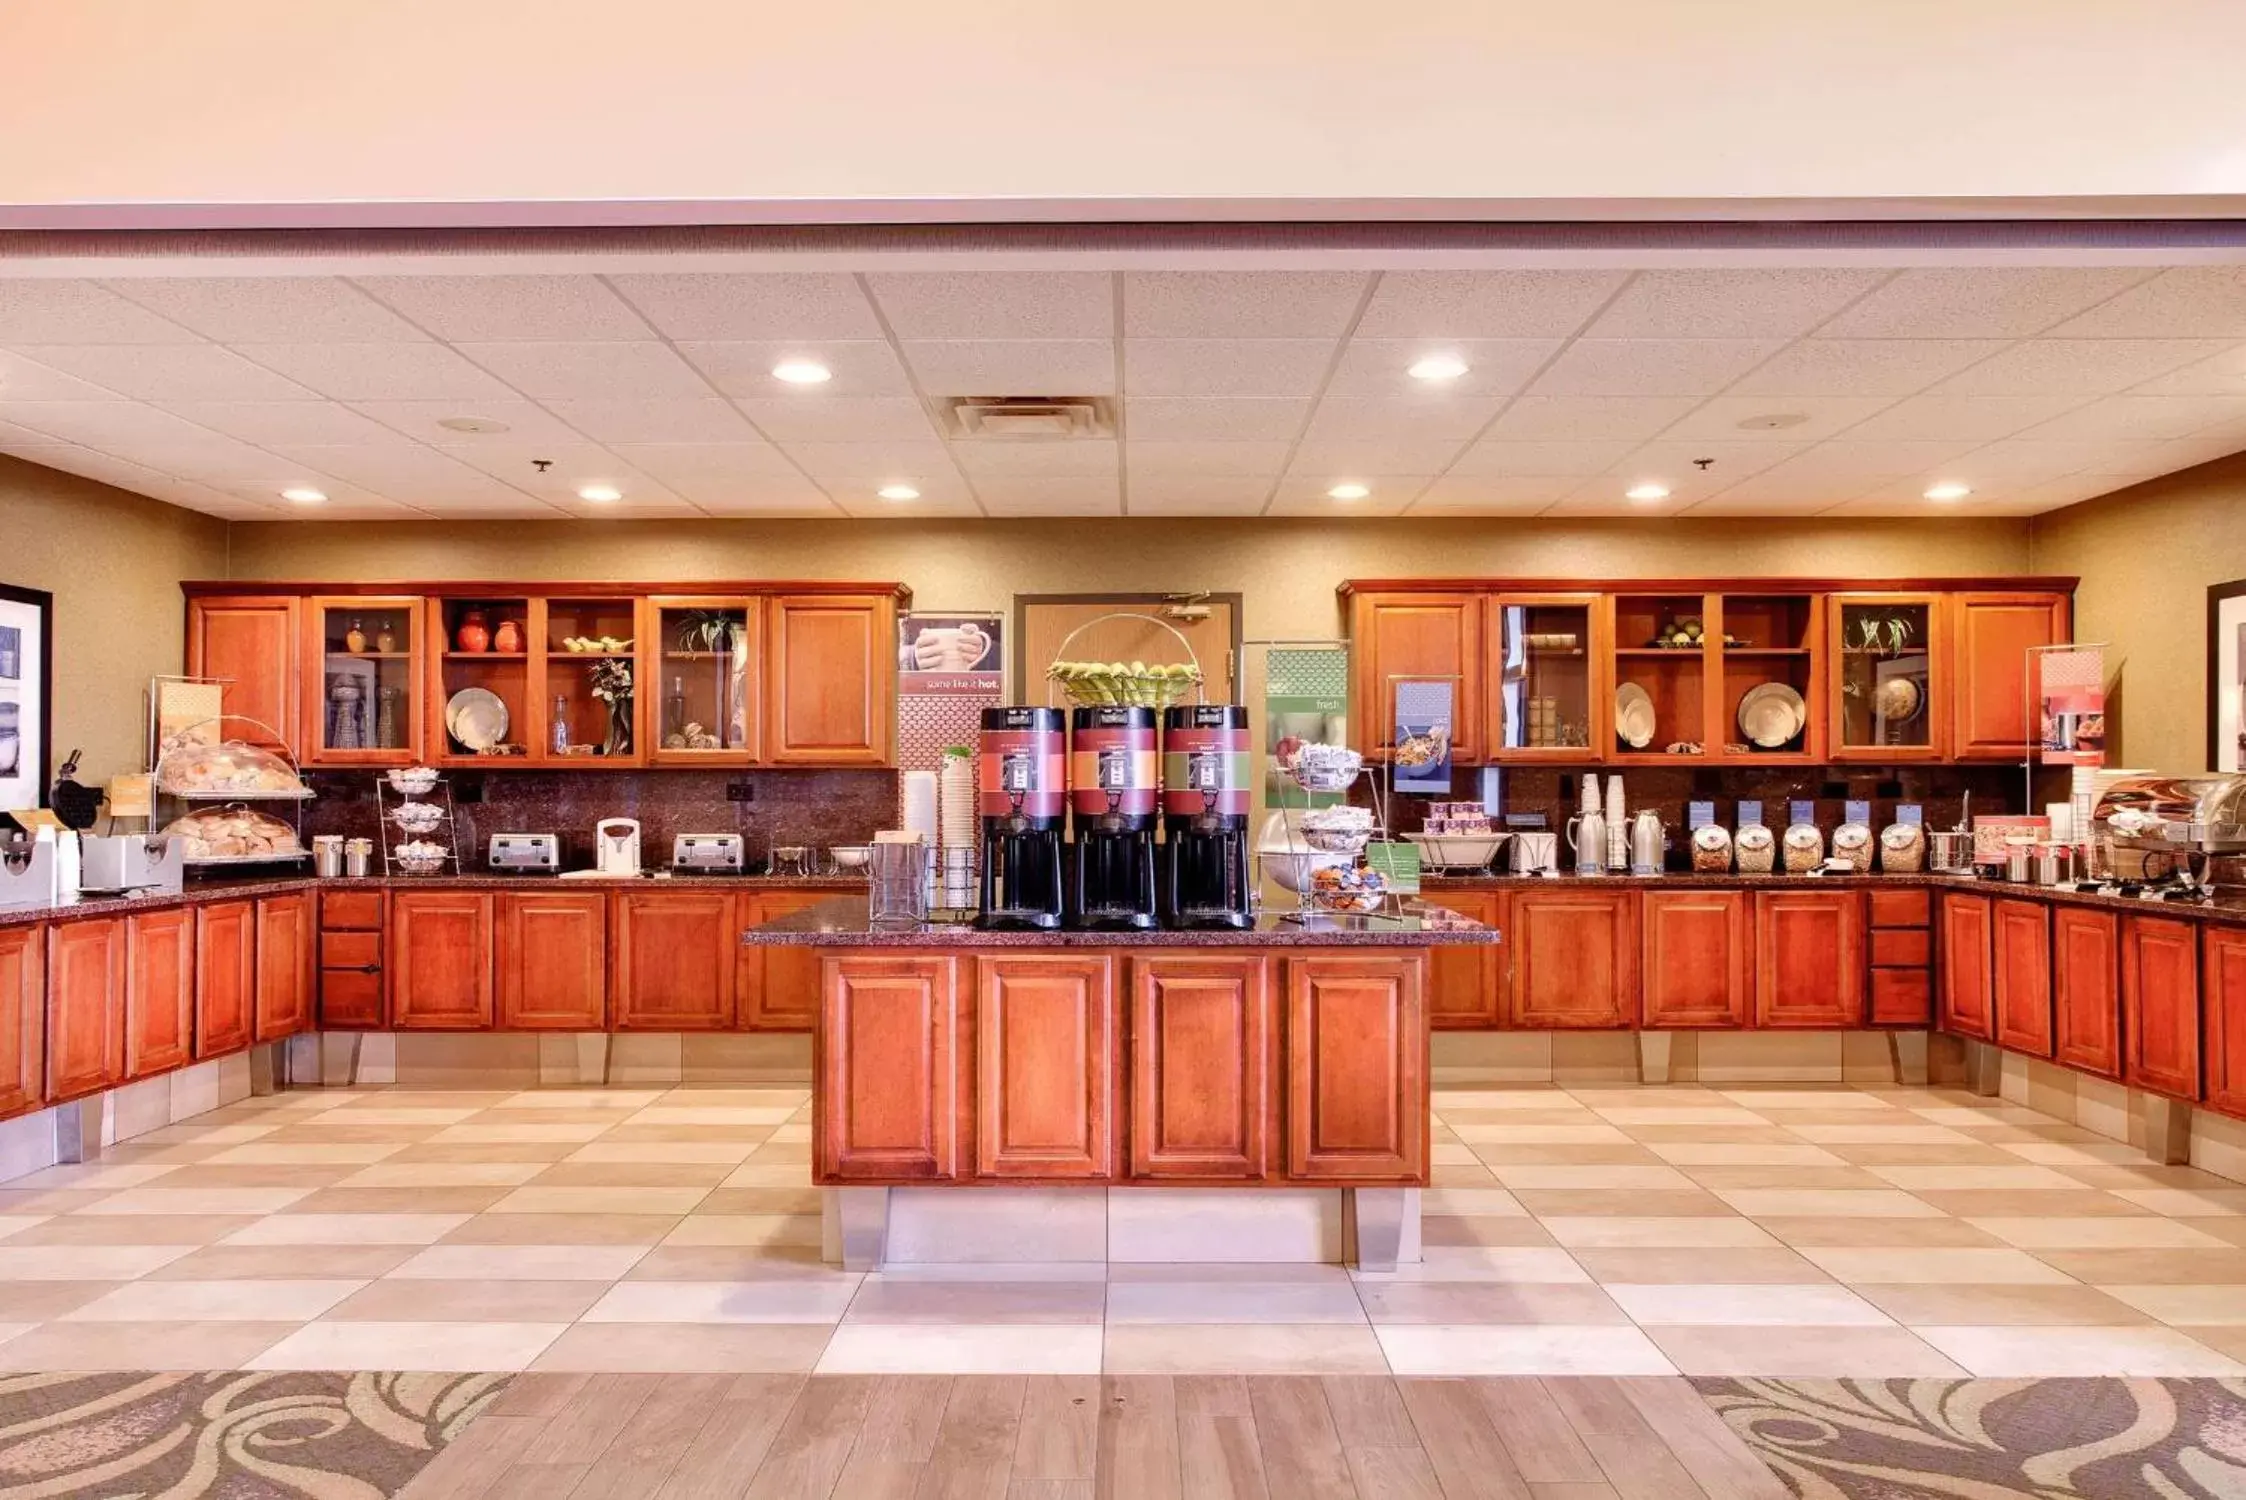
<point>1610,1231</point>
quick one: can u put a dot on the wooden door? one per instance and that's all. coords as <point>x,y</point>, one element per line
<point>2160,1005</point>
<point>440,956</point>
<point>831,680</point>
<point>254,641</point>
<point>779,987</point>
<point>886,1059</point>
<point>23,1018</point>
<point>672,960</point>
<point>159,990</point>
<point>1462,989</point>
<point>2222,968</point>
<point>1092,628</point>
<point>1968,968</point>
<point>225,976</point>
<point>1809,959</point>
<point>1696,954</point>
<point>552,961</point>
<point>284,967</point>
<point>2020,942</point>
<point>86,963</point>
<point>1045,1065</point>
<point>2086,989</point>
<point>1574,952</point>
<point>1992,676</point>
<point>1200,1071</point>
<point>1440,637</point>
<point>1356,1047</point>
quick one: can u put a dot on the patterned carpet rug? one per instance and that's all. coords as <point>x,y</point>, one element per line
<point>1994,1439</point>
<point>231,1436</point>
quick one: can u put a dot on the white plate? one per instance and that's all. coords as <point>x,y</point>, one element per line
<point>1770,714</point>
<point>477,718</point>
<point>1633,715</point>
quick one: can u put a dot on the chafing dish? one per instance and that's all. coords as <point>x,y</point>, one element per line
<point>2156,827</point>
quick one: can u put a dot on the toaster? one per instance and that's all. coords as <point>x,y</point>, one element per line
<point>525,853</point>
<point>709,853</point>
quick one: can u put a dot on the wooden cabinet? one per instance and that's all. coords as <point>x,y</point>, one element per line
<point>1356,1047</point>
<point>778,987</point>
<point>1991,715</point>
<point>86,968</point>
<point>253,641</point>
<point>2160,1004</point>
<point>2086,989</point>
<point>1462,983</point>
<point>1440,637</point>
<point>350,960</point>
<point>1888,678</point>
<point>23,1018</point>
<point>886,1060</point>
<point>159,991</point>
<point>362,677</point>
<point>831,680</point>
<point>282,1003</point>
<point>1200,1075</point>
<point>2020,942</point>
<point>1809,959</point>
<point>1045,1065</point>
<point>440,960</point>
<point>1696,956</point>
<point>225,976</point>
<point>1573,952</point>
<point>2222,970</point>
<point>673,960</point>
<point>1968,966</point>
<point>551,960</point>
<point>708,657</point>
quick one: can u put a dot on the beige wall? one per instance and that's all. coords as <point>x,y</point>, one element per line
<point>2146,556</point>
<point>113,562</point>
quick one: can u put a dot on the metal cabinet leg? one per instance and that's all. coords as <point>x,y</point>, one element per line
<point>592,1058</point>
<point>339,1059</point>
<point>864,1213</point>
<point>1380,1215</point>
<point>2167,1130</point>
<point>1908,1051</point>
<point>1655,1048</point>
<point>78,1129</point>
<point>1984,1069</point>
<point>269,1069</point>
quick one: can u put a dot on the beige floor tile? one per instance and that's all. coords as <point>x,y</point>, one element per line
<point>722,1302</point>
<point>40,1301</point>
<point>1938,1267</point>
<point>519,1262</point>
<point>1781,1100</point>
<point>1665,1267</point>
<point>1523,1349</point>
<point>1475,1176</point>
<point>760,1200</point>
<point>745,1230</point>
<point>381,1114</point>
<point>2034,1203</point>
<point>1700,1114</point>
<point>159,1200</point>
<point>437,1174</point>
<point>905,1349</point>
<point>246,1301</point>
<point>2083,1153</point>
<point>1904,1155</point>
<point>751,1136</point>
<point>14,1203</point>
<point>1448,1229</point>
<point>1920,1233</point>
<point>92,1176</point>
<point>2150,1267</point>
<point>284,1262</point>
<point>710,1114</point>
<point>2228,1342</point>
<point>2183,1304</point>
<point>1997,1306</point>
<point>1580,1178</point>
<point>267,1154</point>
<point>1973,1179</point>
<point>544,1155</point>
<point>2114,1179</point>
<point>432,1200</point>
<point>348,1229</point>
<point>676,1348</point>
<point>406,1346</point>
<point>1691,1233</point>
<point>562,1229</point>
<point>206,1176</point>
<point>1798,1353</point>
<point>1787,1179</point>
<point>1821,1305</point>
<point>1512,1133</point>
<point>1762,1133</point>
<point>621,1101</point>
<point>632,1174</point>
<point>519,1133</point>
<point>1482,1263</point>
<point>143,1229</point>
<point>1255,1273</point>
<point>85,1262</point>
<point>1498,1154</point>
<point>2135,1233</point>
<point>1243,1349</point>
<point>499,1301</point>
<point>2029,1351</point>
<point>777,1263</point>
<point>1486,1302</point>
<point>1573,1202</point>
<point>1886,1203</point>
<point>721,1153</point>
<point>1880,1133</point>
<point>2186,1203</point>
<point>754,1176</point>
<point>1720,1154</point>
<point>600,1200</point>
<point>884,1300</point>
<point>1472,1203</point>
<point>1231,1302</point>
<point>1520,1096</point>
<point>141,1346</point>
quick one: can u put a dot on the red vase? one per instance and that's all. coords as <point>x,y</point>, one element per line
<point>473,636</point>
<point>509,638</point>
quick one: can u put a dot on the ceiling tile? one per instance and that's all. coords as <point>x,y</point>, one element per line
<point>2144,460</point>
<point>405,472</point>
<point>997,458</point>
<point>614,372</point>
<point>380,372</point>
<point>918,461</point>
<point>343,503</point>
<point>269,309</point>
<point>1430,416</point>
<point>2183,303</point>
<point>1651,367</point>
<point>27,380</point>
<point>2222,375</point>
<point>39,311</point>
<point>215,461</point>
<point>526,422</point>
<point>997,304</point>
<point>282,421</point>
<point>768,504</point>
<point>1013,367</point>
<point>1226,367</point>
<point>1979,302</point>
<point>1213,419</point>
<point>12,437</point>
<point>1494,367</point>
<point>168,372</point>
<point>1073,496</point>
<point>2140,419</point>
<point>1491,494</point>
<point>753,305</point>
<point>690,467</point>
<point>813,418</point>
<point>863,505</point>
<point>859,367</point>
<point>1598,499</point>
<point>1746,304</point>
<point>99,424</point>
<point>1938,417</point>
<point>575,468</point>
<point>2088,367</point>
<point>772,492</point>
<point>1741,506</point>
<point>940,493</point>
<point>1486,304</point>
<point>87,464</point>
<point>709,420</point>
<point>1197,495</point>
<point>1241,304</point>
<point>1559,456</point>
<point>1354,458</point>
<point>2017,462</point>
<point>1676,465</point>
<point>1391,493</point>
<point>1586,418</point>
<point>1734,419</point>
<point>214,501</point>
<point>1862,367</point>
<point>458,308</point>
<point>1213,460</point>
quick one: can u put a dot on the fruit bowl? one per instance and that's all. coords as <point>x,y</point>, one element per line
<point>1095,684</point>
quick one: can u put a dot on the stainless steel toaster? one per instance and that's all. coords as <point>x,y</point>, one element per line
<point>709,853</point>
<point>525,853</point>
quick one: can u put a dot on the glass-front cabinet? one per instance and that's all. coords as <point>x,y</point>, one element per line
<point>1769,647</point>
<point>1664,661</point>
<point>364,710</point>
<point>706,684</point>
<point>484,700</point>
<point>592,704</point>
<point>1547,652</point>
<point>1887,701</point>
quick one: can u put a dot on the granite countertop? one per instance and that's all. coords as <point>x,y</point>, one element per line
<point>2220,909</point>
<point>844,923</point>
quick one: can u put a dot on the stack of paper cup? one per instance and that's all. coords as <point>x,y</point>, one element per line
<point>955,799</point>
<point>917,804</point>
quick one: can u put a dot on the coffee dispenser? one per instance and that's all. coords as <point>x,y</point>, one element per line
<point>1111,781</point>
<point>1024,803</point>
<point>1205,760</point>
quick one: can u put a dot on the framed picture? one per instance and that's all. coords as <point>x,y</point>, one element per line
<point>2226,676</point>
<point>26,688</point>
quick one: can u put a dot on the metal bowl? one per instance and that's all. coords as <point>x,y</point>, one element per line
<point>413,781</point>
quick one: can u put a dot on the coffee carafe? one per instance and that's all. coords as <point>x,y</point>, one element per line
<point>1024,802</point>
<point>1648,843</point>
<point>1587,836</point>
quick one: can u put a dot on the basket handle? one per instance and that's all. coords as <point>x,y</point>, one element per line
<point>1061,651</point>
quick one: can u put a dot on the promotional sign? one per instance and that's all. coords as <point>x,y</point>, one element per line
<point>1422,753</point>
<point>2073,688</point>
<point>948,671</point>
<point>1305,701</point>
<point>1397,864</point>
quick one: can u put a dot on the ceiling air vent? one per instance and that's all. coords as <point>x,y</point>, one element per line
<point>1029,419</point>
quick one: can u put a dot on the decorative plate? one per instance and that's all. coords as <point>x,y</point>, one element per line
<point>1770,714</point>
<point>476,718</point>
<point>1633,716</point>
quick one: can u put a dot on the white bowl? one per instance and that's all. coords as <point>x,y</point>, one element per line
<point>413,781</point>
<point>1457,851</point>
<point>417,817</point>
<point>851,856</point>
<point>1294,868</point>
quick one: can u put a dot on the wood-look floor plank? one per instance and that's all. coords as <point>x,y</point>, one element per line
<point>974,1454</point>
<point>539,1394</point>
<point>1389,1473</point>
<point>473,1462</point>
<point>1468,1457</point>
<point>1596,1406</point>
<point>891,1456</point>
<point>651,1444</point>
<point>1643,1468</point>
<point>1049,1489</point>
<point>583,1426</point>
<point>720,1464</point>
<point>1544,1445</point>
<point>1138,1445</point>
<point>1709,1451</point>
<point>1367,1412</point>
<point>808,1452</point>
<point>1572,1492</point>
<point>536,1482</point>
<point>1302,1457</point>
<point>1060,1431</point>
<point>1218,1456</point>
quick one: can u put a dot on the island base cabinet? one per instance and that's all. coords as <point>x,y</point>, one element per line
<point>23,1018</point>
<point>282,997</point>
<point>2222,966</point>
<point>2160,1005</point>
<point>1045,1063</point>
<point>778,987</point>
<point>440,960</point>
<point>1696,953</point>
<point>2086,990</point>
<point>552,960</point>
<point>1200,1068</point>
<point>885,1061</point>
<point>159,991</point>
<point>1356,1045</point>
<point>675,960</point>
<point>2020,940</point>
<point>1968,985</point>
<point>1809,959</point>
<point>86,966</point>
<point>1574,956</point>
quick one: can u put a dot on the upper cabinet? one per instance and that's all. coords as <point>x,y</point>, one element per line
<point>482,695</point>
<point>1992,635</point>
<point>1889,687</point>
<point>1665,703</point>
<point>1404,639</point>
<point>362,703</point>
<point>707,653</point>
<point>1548,671</point>
<point>832,680</point>
<point>588,664</point>
<point>250,643</point>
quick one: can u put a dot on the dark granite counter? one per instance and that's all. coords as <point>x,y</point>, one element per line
<point>844,923</point>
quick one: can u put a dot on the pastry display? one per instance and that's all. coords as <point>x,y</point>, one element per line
<point>225,833</point>
<point>229,769</point>
<point>1711,850</point>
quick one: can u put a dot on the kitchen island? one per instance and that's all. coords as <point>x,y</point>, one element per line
<point>1278,1074</point>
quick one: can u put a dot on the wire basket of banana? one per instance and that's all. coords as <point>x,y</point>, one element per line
<point>1128,684</point>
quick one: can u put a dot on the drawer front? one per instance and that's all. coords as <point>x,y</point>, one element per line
<point>1901,948</point>
<point>350,950</point>
<point>350,1000</point>
<point>1911,908</point>
<point>1902,997</point>
<point>355,910</point>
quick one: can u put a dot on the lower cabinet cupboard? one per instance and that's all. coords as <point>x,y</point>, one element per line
<point>2086,990</point>
<point>2160,1004</point>
<point>886,1058</point>
<point>282,1003</point>
<point>1356,1070</point>
<point>1462,983</point>
<point>23,1018</point>
<point>440,960</point>
<point>86,963</point>
<point>225,976</point>
<point>552,960</point>
<point>1574,957</point>
<point>1809,959</point>
<point>1968,965</point>
<point>1199,1073</point>
<point>674,956</point>
<point>1696,954</point>
<point>778,988</point>
<point>2222,972</point>
<point>350,972</point>
<point>1045,1065</point>
<point>2020,942</point>
<point>159,991</point>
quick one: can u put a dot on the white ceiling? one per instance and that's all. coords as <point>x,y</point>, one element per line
<point>1237,392</point>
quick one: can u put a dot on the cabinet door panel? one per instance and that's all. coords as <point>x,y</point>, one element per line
<point>1574,956</point>
<point>1356,1070</point>
<point>2223,974</point>
<point>831,680</point>
<point>253,641</point>
<point>2160,1005</point>
<point>440,960</point>
<point>23,1018</point>
<point>283,992</point>
<point>1696,953</point>
<point>1968,985</point>
<point>225,976</point>
<point>2021,942</point>
<point>673,960</point>
<point>159,990</point>
<point>1436,636</point>
<point>1809,959</point>
<point>2086,989</point>
<point>1901,997</point>
<point>85,1007</point>
<point>886,1058</point>
<point>1045,1066</point>
<point>1200,1067</point>
<point>779,987</point>
<point>1462,982</point>
<point>552,961</point>
<point>350,911</point>
<point>1990,636</point>
<point>1903,908</point>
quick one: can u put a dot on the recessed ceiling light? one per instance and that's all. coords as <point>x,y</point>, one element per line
<point>600,493</point>
<point>802,372</point>
<point>472,424</point>
<point>1647,491</point>
<point>1948,489</point>
<point>1438,367</point>
<point>1773,421</point>
<point>898,492</point>
<point>1348,492</point>
<point>303,495</point>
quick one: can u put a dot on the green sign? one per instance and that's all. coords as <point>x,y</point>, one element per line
<point>1398,864</point>
<point>1305,699</point>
